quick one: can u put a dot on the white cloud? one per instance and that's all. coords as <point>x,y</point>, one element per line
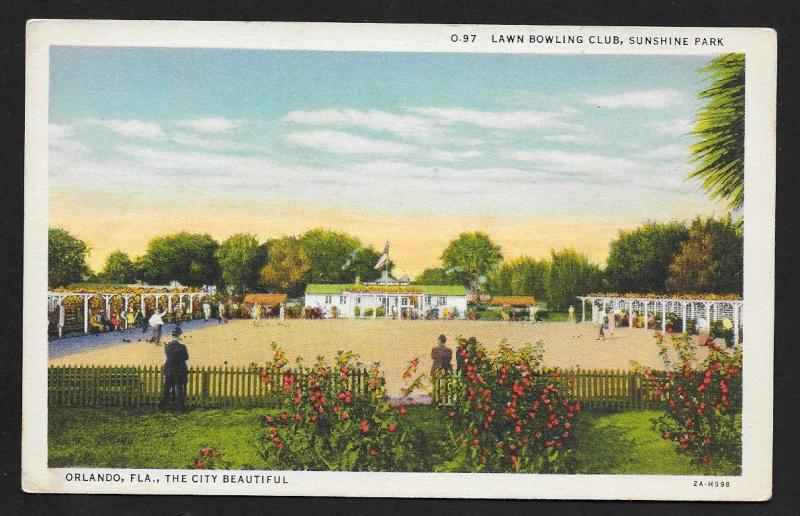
<point>211,125</point>
<point>558,161</point>
<point>405,126</point>
<point>667,152</point>
<point>500,119</point>
<point>131,128</point>
<point>564,138</point>
<point>192,140</point>
<point>677,127</point>
<point>444,155</point>
<point>339,142</point>
<point>61,140</point>
<point>646,99</point>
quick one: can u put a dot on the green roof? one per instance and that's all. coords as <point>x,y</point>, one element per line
<point>443,290</point>
<point>326,288</point>
<point>434,290</point>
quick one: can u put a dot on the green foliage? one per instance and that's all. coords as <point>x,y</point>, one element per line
<point>509,417</point>
<point>327,423</point>
<point>361,263</point>
<point>66,258</point>
<point>720,128</point>
<point>702,401</point>
<point>287,267</point>
<point>329,254</point>
<point>524,276</point>
<point>710,261</point>
<point>571,274</point>
<point>186,257</point>
<point>436,276</point>
<point>119,268</point>
<point>240,258</point>
<point>473,255</point>
<point>638,260</point>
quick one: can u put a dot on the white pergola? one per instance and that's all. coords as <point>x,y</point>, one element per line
<point>56,299</point>
<point>686,308</point>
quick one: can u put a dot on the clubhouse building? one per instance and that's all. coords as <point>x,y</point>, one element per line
<point>388,298</point>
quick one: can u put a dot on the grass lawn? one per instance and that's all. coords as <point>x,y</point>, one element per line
<point>608,443</point>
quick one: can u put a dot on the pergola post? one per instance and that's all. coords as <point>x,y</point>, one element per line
<point>127,298</point>
<point>142,306</point>
<point>663,316</point>
<point>630,313</point>
<point>169,303</point>
<point>108,304</point>
<point>735,324</point>
<point>583,309</point>
<point>646,303</point>
<point>683,315</point>
<point>86,313</point>
<point>191,306</point>
<point>708,314</point>
<point>374,306</point>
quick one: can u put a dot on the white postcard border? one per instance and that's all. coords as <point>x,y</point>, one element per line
<point>759,45</point>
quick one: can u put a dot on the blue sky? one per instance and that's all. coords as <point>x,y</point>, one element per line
<point>278,141</point>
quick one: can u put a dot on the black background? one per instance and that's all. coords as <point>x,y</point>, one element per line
<point>781,15</point>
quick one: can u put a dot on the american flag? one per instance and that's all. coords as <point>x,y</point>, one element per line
<point>384,257</point>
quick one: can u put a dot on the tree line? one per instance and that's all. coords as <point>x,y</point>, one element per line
<point>703,256</point>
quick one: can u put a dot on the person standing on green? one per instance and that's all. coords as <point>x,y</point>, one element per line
<point>176,373</point>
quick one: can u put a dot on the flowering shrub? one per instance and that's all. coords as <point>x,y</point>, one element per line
<point>328,420</point>
<point>702,401</point>
<point>510,416</point>
<point>208,458</point>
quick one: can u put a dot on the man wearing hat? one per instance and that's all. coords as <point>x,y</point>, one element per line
<point>175,372</point>
<point>442,356</point>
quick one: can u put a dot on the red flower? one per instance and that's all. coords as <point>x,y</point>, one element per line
<point>344,415</point>
<point>403,410</point>
<point>373,452</point>
<point>391,427</point>
<point>298,417</point>
<point>205,452</point>
<point>199,464</point>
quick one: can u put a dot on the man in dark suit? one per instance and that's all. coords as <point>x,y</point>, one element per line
<point>442,357</point>
<point>175,372</point>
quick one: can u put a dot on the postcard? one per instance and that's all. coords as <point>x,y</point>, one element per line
<point>445,261</point>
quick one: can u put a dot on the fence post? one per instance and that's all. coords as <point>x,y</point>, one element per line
<point>204,386</point>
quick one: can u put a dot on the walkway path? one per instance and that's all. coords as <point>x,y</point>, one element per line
<point>60,348</point>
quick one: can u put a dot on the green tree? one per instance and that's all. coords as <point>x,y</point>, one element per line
<point>329,254</point>
<point>711,261</point>
<point>524,276</point>
<point>287,267</point>
<point>720,128</point>
<point>241,257</point>
<point>361,263</point>
<point>639,260</point>
<point>571,275</point>
<point>118,268</point>
<point>530,277</point>
<point>66,258</point>
<point>186,257</point>
<point>473,256</point>
<point>436,276</point>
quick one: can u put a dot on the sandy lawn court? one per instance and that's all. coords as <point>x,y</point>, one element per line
<point>392,343</point>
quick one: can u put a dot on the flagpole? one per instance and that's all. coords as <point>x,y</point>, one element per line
<point>388,307</point>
